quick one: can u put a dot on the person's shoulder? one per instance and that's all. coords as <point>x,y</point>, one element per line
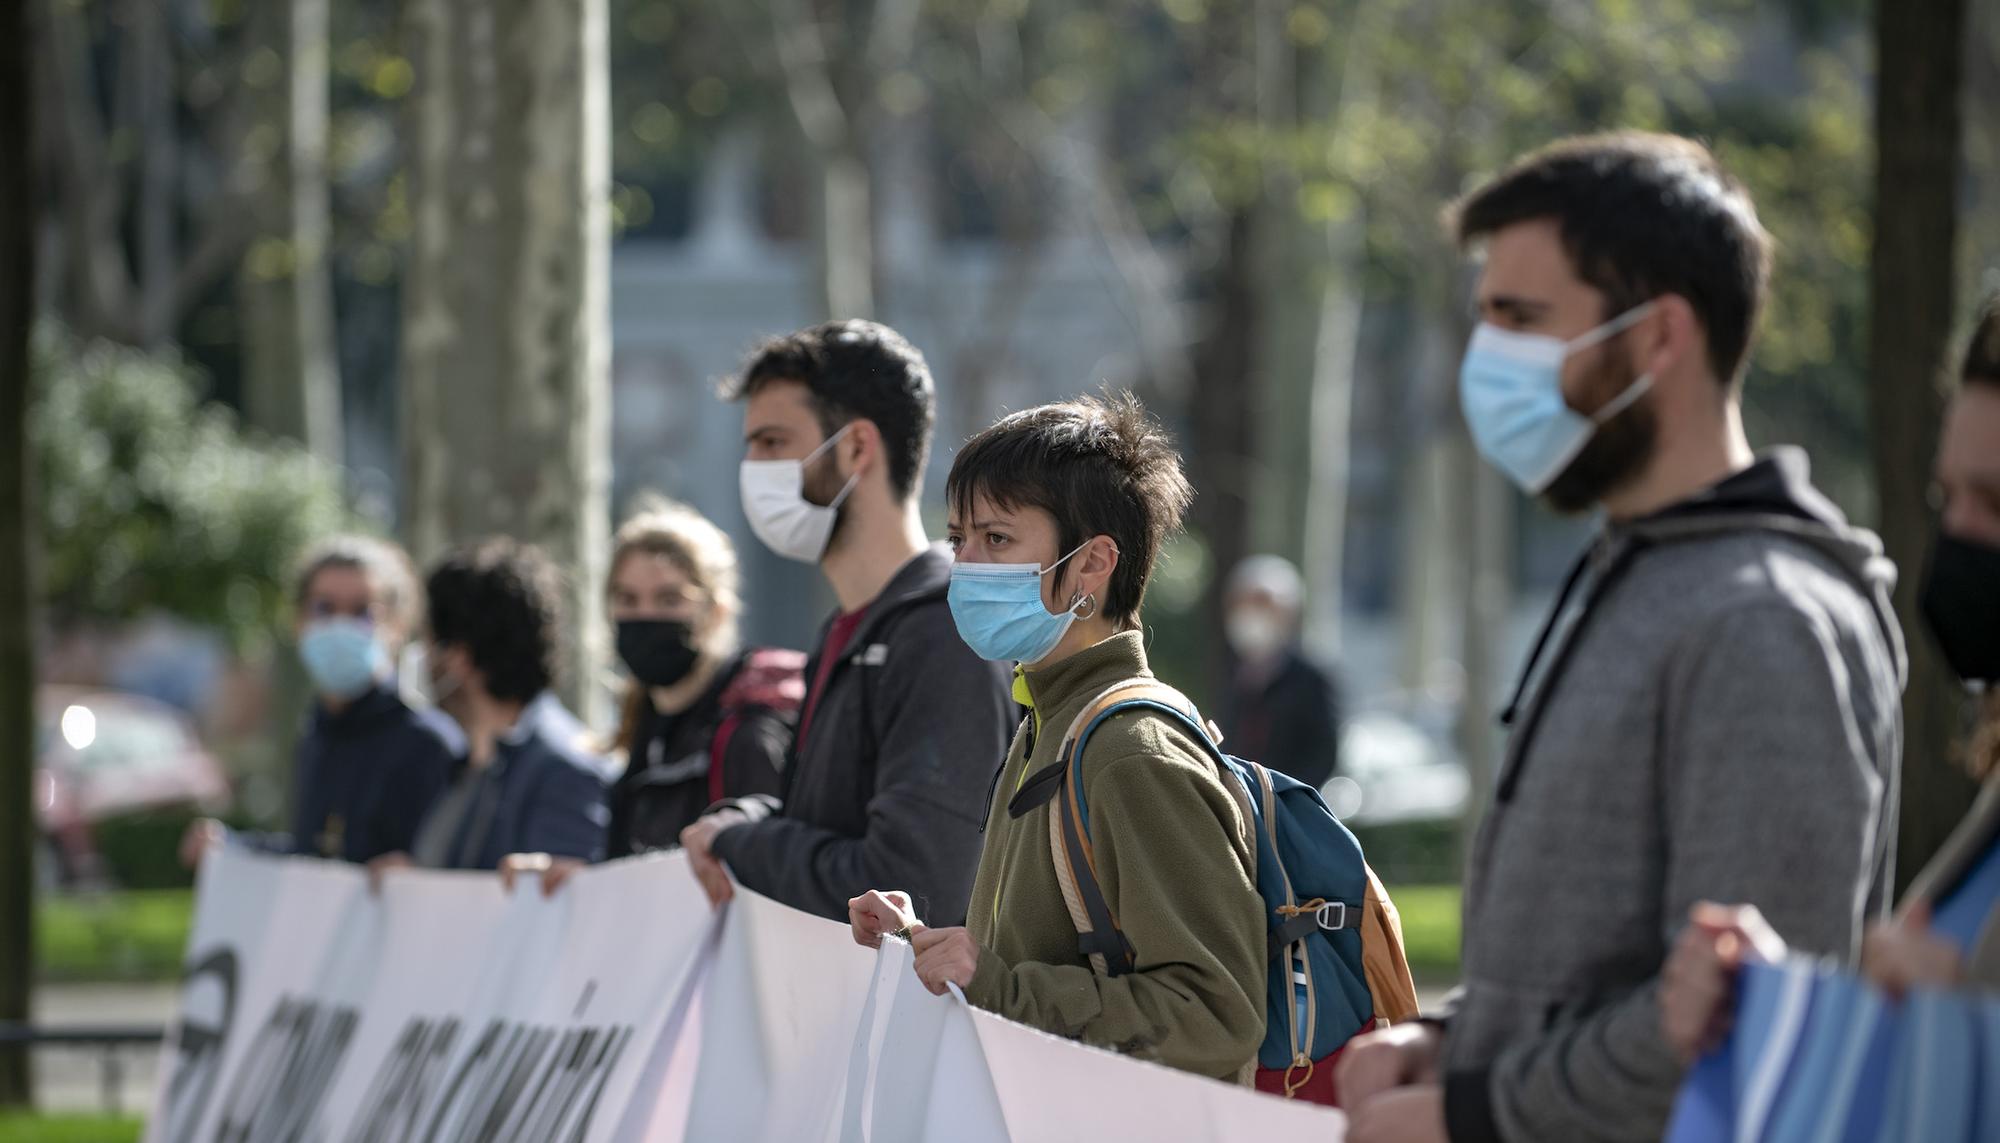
<point>564,744</point>
<point>1751,572</point>
<point>422,729</point>
<point>1134,742</point>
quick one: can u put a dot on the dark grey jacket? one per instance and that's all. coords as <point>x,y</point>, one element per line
<point>889,790</point>
<point>1714,714</point>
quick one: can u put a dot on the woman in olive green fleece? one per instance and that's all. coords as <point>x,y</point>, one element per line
<point>1057,515</point>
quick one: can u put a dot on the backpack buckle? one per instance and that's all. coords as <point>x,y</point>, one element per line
<point>1337,910</point>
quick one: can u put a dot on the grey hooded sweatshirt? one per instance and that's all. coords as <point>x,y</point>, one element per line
<point>1713,712</point>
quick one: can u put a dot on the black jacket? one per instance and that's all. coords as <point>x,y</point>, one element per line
<point>665,786</point>
<point>366,775</point>
<point>1289,721</point>
<point>902,746</point>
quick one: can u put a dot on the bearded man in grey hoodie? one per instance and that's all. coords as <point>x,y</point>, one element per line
<point>1713,709</point>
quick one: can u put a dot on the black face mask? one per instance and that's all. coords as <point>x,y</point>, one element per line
<point>658,652</point>
<point>1961,602</point>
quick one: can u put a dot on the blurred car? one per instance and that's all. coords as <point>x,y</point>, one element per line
<point>103,754</point>
<point>1393,771</point>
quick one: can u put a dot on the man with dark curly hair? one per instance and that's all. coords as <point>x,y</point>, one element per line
<point>528,782</point>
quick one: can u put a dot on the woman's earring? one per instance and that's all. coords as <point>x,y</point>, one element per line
<point>1078,602</point>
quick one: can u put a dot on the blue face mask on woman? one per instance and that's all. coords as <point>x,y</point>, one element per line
<point>342,656</point>
<point>1510,386</point>
<point>999,611</point>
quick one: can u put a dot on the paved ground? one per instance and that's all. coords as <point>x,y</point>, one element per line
<point>72,1079</point>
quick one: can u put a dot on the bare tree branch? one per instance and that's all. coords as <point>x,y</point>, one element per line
<point>104,280</point>
<point>805,68</point>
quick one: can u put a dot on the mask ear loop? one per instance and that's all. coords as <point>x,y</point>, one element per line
<point>1078,598</point>
<point>852,481</point>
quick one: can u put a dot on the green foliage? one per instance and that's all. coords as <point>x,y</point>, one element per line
<point>142,851</point>
<point>1430,915</point>
<point>154,500</point>
<point>1418,851</point>
<point>28,1127</point>
<point>133,936</point>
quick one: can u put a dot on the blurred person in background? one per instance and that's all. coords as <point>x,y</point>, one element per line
<point>902,724</point>
<point>368,765</point>
<point>1947,932</point>
<point>702,720</point>
<point>528,781</point>
<point>1283,708</point>
<point>1714,708</point>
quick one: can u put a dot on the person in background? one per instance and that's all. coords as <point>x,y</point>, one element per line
<point>1714,710</point>
<point>1057,515</point>
<point>1947,932</point>
<point>902,724</point>
<point>1283,709</point>
<point>368,766</point>
<point>702,720</point>
<point>527,782</point>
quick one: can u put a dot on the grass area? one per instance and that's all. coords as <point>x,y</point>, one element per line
<point>133,935</point>
<point>28,1128</point>
<point>1430,930</point>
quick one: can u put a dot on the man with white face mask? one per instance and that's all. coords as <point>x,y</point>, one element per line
<point>1714,706</point>
<point>902,724</point>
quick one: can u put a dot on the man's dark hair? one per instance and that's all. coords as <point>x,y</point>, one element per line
<point>1100,467</point>
<point>855,370</point>
<point>1641,215</point>
<point>502,602</point>
<point>1982,352</point>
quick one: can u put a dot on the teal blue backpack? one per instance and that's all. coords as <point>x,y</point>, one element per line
<point>1310,873</point>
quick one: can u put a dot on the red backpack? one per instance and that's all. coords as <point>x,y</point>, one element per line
<point>770,679</point>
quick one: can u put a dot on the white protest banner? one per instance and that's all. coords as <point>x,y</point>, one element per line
<point>442,1008</point>
<point>1053,1089</point>
<point>775,1021</point>
<point>446,1009</point>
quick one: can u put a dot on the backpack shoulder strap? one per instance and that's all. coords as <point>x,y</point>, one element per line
<point>1098,936</point>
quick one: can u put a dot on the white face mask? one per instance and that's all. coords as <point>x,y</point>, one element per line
<point>1256,634</point>
<point>774,499</point>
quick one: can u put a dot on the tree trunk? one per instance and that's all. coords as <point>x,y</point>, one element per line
<point>506,338</point>
<point>846,233</point>
<point>159,152</point>
<point>291,367</point>
<point>17,649</point>
<point>1228,387</point>
<point>1486,520</point>
<point>1919,45</point>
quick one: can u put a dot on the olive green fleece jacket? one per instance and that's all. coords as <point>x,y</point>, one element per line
<point>1175,860</point>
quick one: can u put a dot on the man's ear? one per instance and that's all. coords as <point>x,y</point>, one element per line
<point>1672,335</point>
<point>862,447</point>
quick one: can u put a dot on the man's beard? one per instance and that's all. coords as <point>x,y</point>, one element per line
<point>1618,451</point>
<point>823,483</point>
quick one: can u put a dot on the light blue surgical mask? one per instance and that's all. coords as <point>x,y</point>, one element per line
<point>343,656</point>
<point>1510,386</point>
<point>999,611</point>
